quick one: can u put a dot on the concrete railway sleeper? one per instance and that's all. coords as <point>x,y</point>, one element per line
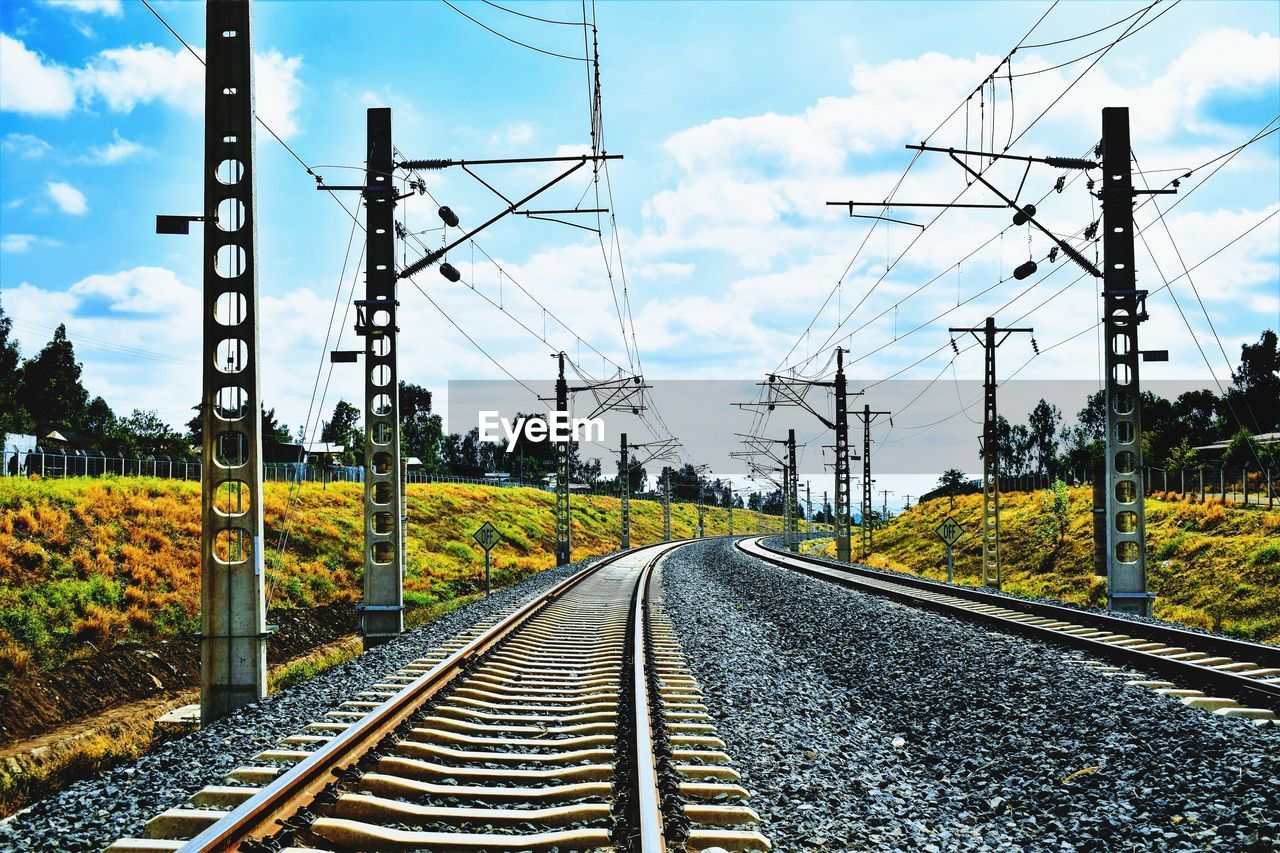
<point>569,724</point>
<point>1245,675</point>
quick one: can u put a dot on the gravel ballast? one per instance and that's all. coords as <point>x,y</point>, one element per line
<point>858,724</point>
<point>92,813</point>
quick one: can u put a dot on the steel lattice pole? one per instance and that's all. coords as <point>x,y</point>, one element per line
<point>564,522</point>
<point>233,631</point>
<point>382,612</point>
<point>1124,307</point>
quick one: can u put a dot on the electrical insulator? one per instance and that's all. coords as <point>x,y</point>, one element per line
<point>400,232</point>
<point>450,272</point>
<point>1021,217</point>
<point>450,218</point>
<point>1091,231</point>
<point>1035,346</point>
<point>1070,163</point>
<point>425,164</point>
<point>1061,184</point>
<point>1053,255</point>
<point>955,348</point>
<point>1024,270</point>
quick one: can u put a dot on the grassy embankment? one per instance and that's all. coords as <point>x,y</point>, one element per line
<point>86,563</point>
<point>1211,566</point>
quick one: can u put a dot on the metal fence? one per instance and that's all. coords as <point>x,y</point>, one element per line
<point>1245,486</point>
<point>92,463</point>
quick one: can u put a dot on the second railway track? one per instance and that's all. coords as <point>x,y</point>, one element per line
<point>570,724</point>
<point>1244,677</point>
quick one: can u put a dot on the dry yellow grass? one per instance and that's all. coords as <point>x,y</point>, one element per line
<point>85,563</point>
<point>1211,566</point>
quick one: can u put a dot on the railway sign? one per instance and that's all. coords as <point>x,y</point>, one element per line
<point>949,531</point>
<point>488,536</point>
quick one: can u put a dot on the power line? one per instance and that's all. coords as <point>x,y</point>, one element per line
<point>1126,35</point>
<point>510,39</point>
<point>533,17</point>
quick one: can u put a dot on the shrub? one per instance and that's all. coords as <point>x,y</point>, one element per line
<point>1266,555</point>
<point>459,551</point>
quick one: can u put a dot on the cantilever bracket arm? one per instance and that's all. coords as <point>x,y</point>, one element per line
<point>1067,249</point>
<point>436,254</point>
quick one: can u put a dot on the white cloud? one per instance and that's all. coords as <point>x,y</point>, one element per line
<point>110,8</point>
<point>19,243</point>
<point>28,85</point>
<point>515,133</point>
<point>141,290</point>
<point>115,151</point>
<point>67,198</point>
<point>125,77</point>
<point>278,90</point>
<point>25,145</point>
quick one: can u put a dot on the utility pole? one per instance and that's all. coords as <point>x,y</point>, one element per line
<point>991,337</point>
<point>884,509</point>
<point>792,493</point>
<point>867,416</point>
<point>1124,307</point>
<point>618,392</point>
<point>624,485</point>
<point>907,503</point>
<point>790,390</point>
<point>564,521</point>
<point>382,611</point>
<point>666,507</point>
<point>843,553</point>
<point>730,509</point>
<point>233,630</point>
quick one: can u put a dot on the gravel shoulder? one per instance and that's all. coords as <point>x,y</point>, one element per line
<point>92,813</point>
<point>863,724</point>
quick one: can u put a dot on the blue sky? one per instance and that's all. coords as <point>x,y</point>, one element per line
<point>737,122</point>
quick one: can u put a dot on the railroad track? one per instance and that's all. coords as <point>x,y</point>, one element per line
<point>569,724</point>
<point>1233,678</point>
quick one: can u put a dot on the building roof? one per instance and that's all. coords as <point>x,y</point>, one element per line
<point>324,447</point>
<point>1261,438</point>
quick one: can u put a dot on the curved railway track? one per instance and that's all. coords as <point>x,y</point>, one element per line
<point>570,724</point>
<point>1243,677</point>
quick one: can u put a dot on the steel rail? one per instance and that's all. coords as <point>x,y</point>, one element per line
<point>922,592</point>
<point>649,800</point>
<point>261,814</point>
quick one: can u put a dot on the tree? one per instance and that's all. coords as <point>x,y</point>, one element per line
<point>420,431</point>
<point>1015,446</point>
<point>1254,396</point>
<point>50,388</point>
<point>1043,424</point>
<point>272,430</point>
<point>343,428</point>
<point>1242,450</point>
<point>951,481</point>
<point>1182,457</point>
<point>147,435</point>
<point>101,425</point>
<point>1053,529</point>
<point>14,417</point>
